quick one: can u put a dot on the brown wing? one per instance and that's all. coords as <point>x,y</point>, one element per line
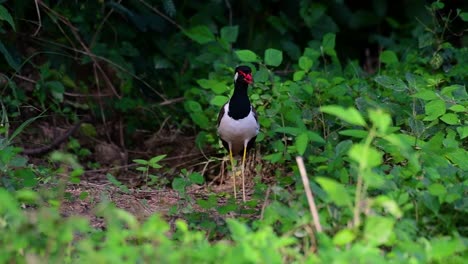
<point>221,114</point>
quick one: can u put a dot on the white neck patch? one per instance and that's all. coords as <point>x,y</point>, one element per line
<point>235,76</point>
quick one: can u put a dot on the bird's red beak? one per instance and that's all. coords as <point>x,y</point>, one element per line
<point>247,77</point>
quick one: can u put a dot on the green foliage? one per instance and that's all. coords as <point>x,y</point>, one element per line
<point>386,153</point>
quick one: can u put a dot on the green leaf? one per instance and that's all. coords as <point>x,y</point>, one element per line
<point>354,133</point>
<point>299,75</point>
<point>443,249</point>
<point>388,57</point>
<point>308,88</point>
<point>344,237</point>
<point>196,178</point>
<point>437,189</point>
<point>273,158</point>
<point>238,230</point>
<point>434,109</point>
<point>200,119</point>
<point>161,63</point>
<point>328,44</point>
<point>28,177</point>
<point>216,86</point>
<point>247,56</point>
<point>18,161</point>
<point>112,179</point>
<point>459,158</point>
<point>389,204</point>
<point>179,185</point>
<point>261,75</point>
<point>450,118</point>
<point>294,131</point>
<point>426,95</point>
<point>336,191</point>
<point>157,159</point>
<point>463,132</point>
<point>5,15</point>
<point>301,143</point>
<point>25,195</point>
<point>219,100</point>
<point>378,229</point>
<point>230,33</point>
<point>380,119</point>
<point>141,161</point>
<point>425,40</point>
<point>305,63</point>
<point>209,203</point>
<point>448,91</point>
<point>193,106</point>
<point>57,89</point>
<point>366,156</point>
<point>200,34</point>
<point>315,137</point>
<point>224,209</point>
<point>273,57</point>
<point>350,115</point>
<point>23,126</point>
<point>457,108</point>
<point>436,5</point>
<point>417,126</point>
<point>10,60</point>
<point>464,16</point>
<point>391,83</point>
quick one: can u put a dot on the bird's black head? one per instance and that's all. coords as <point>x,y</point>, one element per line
<point>243,74</point>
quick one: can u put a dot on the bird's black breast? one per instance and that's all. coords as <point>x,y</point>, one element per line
<point>239,108</point>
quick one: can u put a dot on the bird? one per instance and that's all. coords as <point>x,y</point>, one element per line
<point>238,122</point>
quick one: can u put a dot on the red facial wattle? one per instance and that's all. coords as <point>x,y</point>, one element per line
<point>247,77</point>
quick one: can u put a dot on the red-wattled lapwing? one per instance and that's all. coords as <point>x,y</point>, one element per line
<point>237,122</point>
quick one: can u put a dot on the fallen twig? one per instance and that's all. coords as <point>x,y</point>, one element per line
<point>310,197</point>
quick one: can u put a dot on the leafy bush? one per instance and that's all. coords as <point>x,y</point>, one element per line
<point>385,152</point>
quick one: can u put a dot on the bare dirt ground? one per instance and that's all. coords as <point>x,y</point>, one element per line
<point>135,195</point>
<point>140,202</point>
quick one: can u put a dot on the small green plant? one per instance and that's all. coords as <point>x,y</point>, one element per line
<point>14,169</point>
<point>117,183</point>
<point>153,163</point>
<point>75,147</point>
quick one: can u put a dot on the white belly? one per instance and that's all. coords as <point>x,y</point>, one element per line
<point>237,132</point>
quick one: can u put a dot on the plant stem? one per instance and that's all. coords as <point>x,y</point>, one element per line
<point>360,182</point>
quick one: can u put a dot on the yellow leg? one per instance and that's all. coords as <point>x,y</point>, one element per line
<point>243,173</point>
<point>233,173</point>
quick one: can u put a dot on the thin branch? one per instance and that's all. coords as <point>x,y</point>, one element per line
<point>99,28</point>
<point>58,140</point>
<point>162,15</point>
<point>228,5</point>
<point>265,202</point>
<point>74,30</point>
<point>91,55</point>
<point>24,78</point>
<point>87,95</point>
<point>310,197</point>
<point>357,201</point>
<point>103,116</point>
<point>172,101</point>
<point>39,20</point>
